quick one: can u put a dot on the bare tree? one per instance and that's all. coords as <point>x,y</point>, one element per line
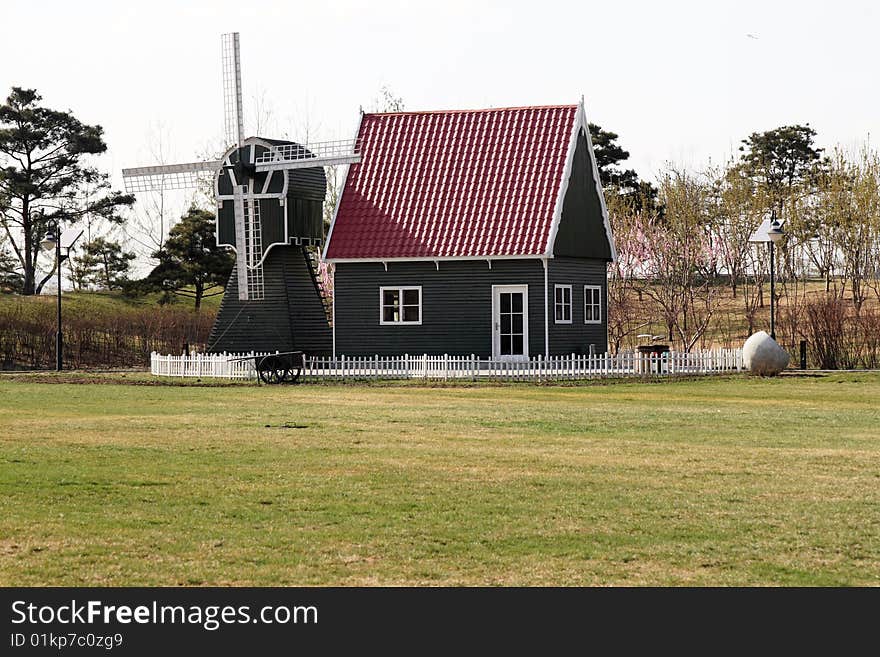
<point>156,212</point>
<point>850,205</point>
<point>387,101</point>
<point>734,217</point>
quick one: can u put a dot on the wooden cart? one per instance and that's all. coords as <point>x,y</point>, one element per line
<point>281,367</point>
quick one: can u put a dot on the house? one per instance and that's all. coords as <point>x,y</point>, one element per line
<point>472,232</point>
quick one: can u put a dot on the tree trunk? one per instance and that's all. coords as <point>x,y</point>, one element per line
<point>106,267</point>
<point>200,291</point>
<point>28,288</point>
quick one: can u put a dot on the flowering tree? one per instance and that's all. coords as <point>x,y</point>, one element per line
<point>629,227</point>
<point>681,257</point>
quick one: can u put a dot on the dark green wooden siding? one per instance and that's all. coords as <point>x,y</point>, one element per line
<point>581,231</point>
<point>305,218</point>
<point>456,306</point>
<point>577,337</point>
<point>291,317</point>
<point>272,221</point>
<point>225,223</point>
<point>308,184</point>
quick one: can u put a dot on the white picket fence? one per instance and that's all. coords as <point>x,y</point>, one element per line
<point>555,368</point>
<point>220,366</point>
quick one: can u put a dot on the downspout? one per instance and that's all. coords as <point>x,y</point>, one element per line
<point>333,313</point>
<point>546,312</point>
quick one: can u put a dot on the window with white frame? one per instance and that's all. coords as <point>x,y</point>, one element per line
<point>400,305</point>
<point>592,304</point>
<point>563,304</point>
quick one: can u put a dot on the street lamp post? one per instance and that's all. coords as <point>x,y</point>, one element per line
<point>50,242</point>
<point>775,233</point>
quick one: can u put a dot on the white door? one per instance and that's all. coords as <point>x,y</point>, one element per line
<point>510,321</point>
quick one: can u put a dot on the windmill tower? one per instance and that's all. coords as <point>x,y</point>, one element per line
<point>269,196</point>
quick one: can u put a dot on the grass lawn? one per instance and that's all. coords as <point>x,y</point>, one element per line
<point>713,481</point>
<point>100,302</point>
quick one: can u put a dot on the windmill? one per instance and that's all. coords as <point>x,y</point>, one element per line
<point>269,196</point>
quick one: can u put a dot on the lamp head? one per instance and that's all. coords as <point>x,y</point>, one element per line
<point>775,232</point>
<point>49,242</point>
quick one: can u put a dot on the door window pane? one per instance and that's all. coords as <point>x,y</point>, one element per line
<point>517,344</point>
<point>517,324</point>
<point>505,323</point>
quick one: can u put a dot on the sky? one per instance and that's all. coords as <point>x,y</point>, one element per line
<point>680,82</point>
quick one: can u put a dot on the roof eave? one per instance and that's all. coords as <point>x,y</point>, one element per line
<point>528,256</point>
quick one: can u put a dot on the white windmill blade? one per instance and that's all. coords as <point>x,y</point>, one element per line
<point>248,245</point>
<point>241,260</point>
<point>232,105</point>
<point>167,176</point>
<point>296,156</point>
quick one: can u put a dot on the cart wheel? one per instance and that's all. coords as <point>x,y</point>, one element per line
<point>271,370</point>
<point>271,376</point>
<point>290,374</point>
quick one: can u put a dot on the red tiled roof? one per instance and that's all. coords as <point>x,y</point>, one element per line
<point>453,183</point>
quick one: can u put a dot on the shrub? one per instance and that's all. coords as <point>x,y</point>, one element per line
<point>838,335</point>
<point>116,336</point>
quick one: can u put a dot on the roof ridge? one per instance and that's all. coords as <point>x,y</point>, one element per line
<point>473,111</point>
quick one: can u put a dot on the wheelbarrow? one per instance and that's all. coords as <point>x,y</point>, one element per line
<point>281,367</point>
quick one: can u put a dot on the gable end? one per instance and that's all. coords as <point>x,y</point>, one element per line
<point>581,202</point>
<point>581,232</point>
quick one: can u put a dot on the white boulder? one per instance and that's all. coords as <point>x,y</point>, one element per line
<point>762,355</point>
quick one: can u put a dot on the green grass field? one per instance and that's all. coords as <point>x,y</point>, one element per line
<point>714,481</point>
